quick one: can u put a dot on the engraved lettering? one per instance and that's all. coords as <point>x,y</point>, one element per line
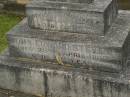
<point>70,52</point>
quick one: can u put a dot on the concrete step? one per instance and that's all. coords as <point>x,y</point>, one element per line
<point>59,81</point>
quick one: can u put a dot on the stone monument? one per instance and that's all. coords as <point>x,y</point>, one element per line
<point>69,48</point>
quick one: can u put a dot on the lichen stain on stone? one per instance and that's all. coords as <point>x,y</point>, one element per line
<point>46,83</point>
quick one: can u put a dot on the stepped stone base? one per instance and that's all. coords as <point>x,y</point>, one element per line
<point>52,80</point>
<point>80,50</point>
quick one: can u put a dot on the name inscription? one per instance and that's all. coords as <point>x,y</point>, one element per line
<point>67,21</point>
<point>70,52</point>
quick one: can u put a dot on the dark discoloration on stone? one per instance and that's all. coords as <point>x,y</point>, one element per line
<point>17,72</point>
<point>46,83</point>
<point>95,18</point>
<point>126,48</point>
<point>67,83</point>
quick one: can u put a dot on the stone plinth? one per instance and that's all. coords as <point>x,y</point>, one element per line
<point>66,1</point>
<point>101,53</point>
<point>53,80</point>
<point>94,18</point>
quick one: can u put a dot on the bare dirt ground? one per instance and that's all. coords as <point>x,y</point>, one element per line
<point>9,93</point>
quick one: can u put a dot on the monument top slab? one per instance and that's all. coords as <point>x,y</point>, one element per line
<point>120,28</point>
<point>97,5</point>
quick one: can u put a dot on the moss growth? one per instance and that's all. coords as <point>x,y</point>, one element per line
<point>7,21</point>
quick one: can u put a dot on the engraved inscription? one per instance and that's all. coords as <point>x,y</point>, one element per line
<point>67,21</point>
<point>70,52</point>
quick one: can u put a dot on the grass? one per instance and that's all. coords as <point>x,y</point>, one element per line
<point>7,21</point>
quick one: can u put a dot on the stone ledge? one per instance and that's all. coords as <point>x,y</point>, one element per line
<point>92,18</point>
<point>59,81</point>
<point>43,45</point>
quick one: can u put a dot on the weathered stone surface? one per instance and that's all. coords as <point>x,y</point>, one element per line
<point>80,50</point>
<point>52,80</point>
<point>71,52</point>
<point>76,54</point>
<point>95,18</point>
<point>66,1</point>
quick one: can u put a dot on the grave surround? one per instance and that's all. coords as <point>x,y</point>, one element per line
<point>50,55</point>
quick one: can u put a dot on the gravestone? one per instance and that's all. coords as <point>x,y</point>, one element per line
<point>69,48</point>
